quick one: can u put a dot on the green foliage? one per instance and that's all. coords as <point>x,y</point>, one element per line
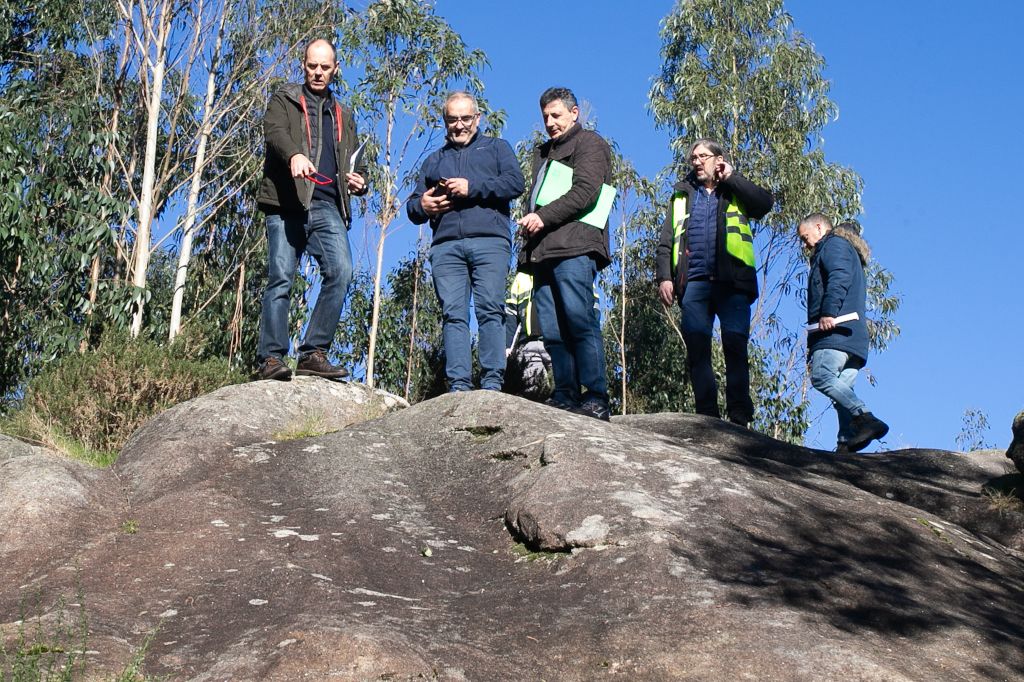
<point>308,426</point>
<point>54,214</point>
<point>100,397</point>
<point>740,73</point>
<point>410,365</point>
<point>52,647</point>
<point>46,651</point>
<point>974,431</point>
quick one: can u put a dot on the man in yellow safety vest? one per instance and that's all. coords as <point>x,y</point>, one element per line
<point>705,262</point>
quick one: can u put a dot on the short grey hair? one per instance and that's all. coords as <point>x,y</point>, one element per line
<point>460,94</point>
<point>816,217</point>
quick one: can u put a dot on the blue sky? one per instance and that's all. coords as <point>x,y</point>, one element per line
<point>929,100</point>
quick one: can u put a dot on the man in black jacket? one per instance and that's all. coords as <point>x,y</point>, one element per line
<point>305,192</point>
<point>464,190</point>
<point>706,262</point>
<point>564,253</point>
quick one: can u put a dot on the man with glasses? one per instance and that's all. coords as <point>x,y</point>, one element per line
<point>705,261</point>
<point>310,139</point>
<point>464,190</point>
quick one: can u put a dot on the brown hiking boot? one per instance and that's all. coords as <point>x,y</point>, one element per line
<point>316,364</point>
<point>273,368</point>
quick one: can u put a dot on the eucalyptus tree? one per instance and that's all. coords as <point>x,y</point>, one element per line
<point>741,73</point>
<point>634,218</point>
<point>53,211</point>
<point>237,49</point>
<point>406,57</point>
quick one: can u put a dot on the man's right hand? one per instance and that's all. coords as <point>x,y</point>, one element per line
<point>667,292</point>
<point>301,166</point>
<point>435,205</point>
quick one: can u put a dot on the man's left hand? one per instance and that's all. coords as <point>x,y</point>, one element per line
<point>356,183</point>
<point>531,224</point>
<point>827,324</point>
<point>457,187</point>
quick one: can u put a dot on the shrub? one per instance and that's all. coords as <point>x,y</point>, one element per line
<point>87,405</point>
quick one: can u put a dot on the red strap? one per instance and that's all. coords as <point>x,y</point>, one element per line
<point>305,113</point>
<point>309,128</point>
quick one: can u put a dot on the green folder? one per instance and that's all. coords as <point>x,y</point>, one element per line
<point>558,180</point>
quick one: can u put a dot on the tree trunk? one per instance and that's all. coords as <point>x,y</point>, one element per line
<point>387,214</point>
<point>411,360</point>
<point>189,224</point>
<point>375,316</point>
<point>147,198</point>
<point>622,312</point>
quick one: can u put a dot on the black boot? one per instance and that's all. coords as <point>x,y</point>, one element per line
<point>866,428</point>
<point>595,408</point>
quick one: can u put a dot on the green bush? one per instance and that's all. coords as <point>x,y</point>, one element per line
<point>88,404</point>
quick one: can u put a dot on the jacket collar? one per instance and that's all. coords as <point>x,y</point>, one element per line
<point>472,142</point>
<point>294,91</point>
<point>561,147</point>
<point>690,184</point>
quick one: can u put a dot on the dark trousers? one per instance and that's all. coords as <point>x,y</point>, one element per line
<point>563,294</point>
<point>703,301</point>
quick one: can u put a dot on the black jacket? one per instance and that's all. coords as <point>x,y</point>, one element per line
<point>490,166</point>
<point>286,134</point>
<point>563,235</point>
<point>754,202</point>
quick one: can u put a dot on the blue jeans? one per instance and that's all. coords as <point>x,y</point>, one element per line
<point>321,233</point>
<point>563,296</point>
<point>833,372</point>
<point>702,301</point>
<point>477,265</point>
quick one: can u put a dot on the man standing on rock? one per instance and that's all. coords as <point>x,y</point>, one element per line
<point>706,262</point>
<point>566,243</point>
<point>838,346</point>
<point>464,191</point>
<point>310,140</point>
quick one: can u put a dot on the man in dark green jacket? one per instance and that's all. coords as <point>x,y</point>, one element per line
<point>307,181</point>
<point>564,253</point>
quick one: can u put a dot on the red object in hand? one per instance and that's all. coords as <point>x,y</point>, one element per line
<point>319,178</point>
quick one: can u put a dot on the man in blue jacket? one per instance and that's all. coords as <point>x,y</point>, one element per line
<point>838,348</point>
<point>464,190</point>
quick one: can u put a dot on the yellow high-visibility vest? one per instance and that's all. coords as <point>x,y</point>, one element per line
<point>739,239</point>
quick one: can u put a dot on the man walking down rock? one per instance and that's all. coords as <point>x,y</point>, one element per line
<point>464,191</point>
<point>566,243</point>
<point>836,303</point>
<point>310,140</point>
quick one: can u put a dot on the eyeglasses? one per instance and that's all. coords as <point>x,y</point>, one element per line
<point>464,120</point>
<point>319,178</point>
<point>701,157</point>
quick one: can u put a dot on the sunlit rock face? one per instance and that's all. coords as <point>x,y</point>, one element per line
<point>479,536</point>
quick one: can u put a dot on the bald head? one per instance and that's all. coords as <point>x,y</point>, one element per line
<point>319,64</point>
